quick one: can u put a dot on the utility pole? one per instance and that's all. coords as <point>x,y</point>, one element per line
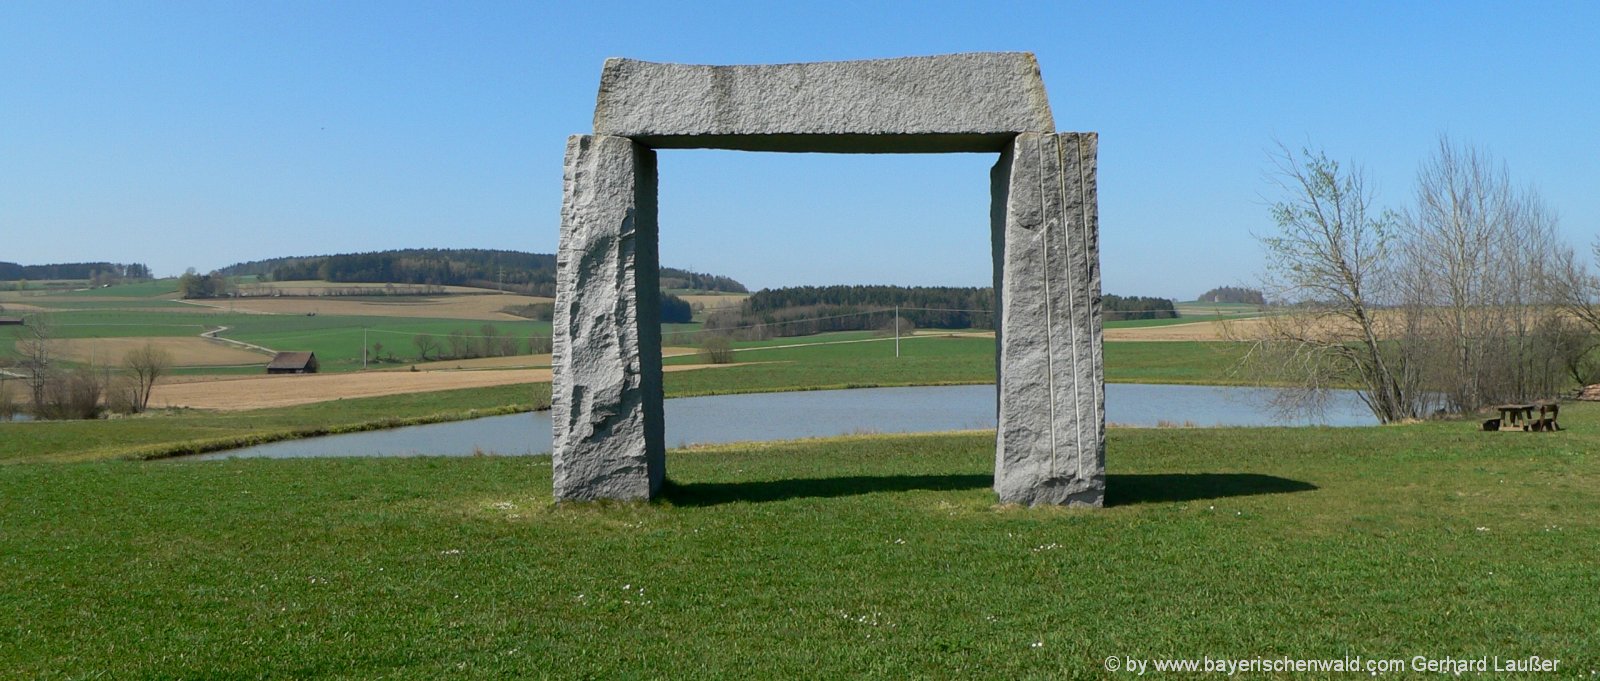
<point>897,331</point>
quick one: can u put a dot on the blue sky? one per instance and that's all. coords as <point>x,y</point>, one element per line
<point>200,134</point>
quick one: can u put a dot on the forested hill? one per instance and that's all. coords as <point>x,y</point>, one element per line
<point>10,271</point>
<point>531,273</point>
<point>802,310</point>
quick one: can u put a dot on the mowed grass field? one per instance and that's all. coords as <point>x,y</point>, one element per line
<point>880,556</point>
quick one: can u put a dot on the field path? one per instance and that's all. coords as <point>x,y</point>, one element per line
<point>212,335</point>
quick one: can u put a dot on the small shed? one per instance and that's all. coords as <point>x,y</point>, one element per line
<point>11,321</point>
<point>293,363</point>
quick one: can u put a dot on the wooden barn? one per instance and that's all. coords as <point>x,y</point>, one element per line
<point>293,363</point>
<point>11,321</point>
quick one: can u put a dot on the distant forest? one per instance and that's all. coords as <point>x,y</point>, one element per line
<point>1233,294</point>
<point>804,310</point>
<point>1120,308</point>
<point>10,271</point>
<point>528,273</point>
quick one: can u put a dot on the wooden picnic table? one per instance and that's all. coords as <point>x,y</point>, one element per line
<point>1520,416</point>
<point>1516,416</point>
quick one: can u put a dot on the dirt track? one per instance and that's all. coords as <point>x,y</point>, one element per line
<point>258,392</point>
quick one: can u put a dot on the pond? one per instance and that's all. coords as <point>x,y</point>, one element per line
<point>786,416</point>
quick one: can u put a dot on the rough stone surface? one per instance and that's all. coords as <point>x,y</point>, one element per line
<point>1050,444</point>
<point>606,359</point>
<point>956,102</point>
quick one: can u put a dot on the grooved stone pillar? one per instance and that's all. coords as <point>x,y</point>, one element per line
<point>1050,445</point>
<point>606,356</point>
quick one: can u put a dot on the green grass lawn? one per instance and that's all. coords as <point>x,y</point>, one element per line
<point>337,339</point>
<point>143,289</point>
<point>879,556</point>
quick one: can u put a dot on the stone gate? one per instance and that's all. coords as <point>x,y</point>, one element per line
<point>606,399</point>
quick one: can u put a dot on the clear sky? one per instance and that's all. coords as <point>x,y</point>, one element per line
<point>184,134</point>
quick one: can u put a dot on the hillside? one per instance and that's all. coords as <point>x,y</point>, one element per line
<point>10,271</point>
<point>528,273</point>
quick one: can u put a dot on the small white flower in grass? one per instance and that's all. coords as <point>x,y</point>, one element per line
<point>1483,529</point>
<point>1037,644</point>
<point>899,541</point>
<point>450,552</point>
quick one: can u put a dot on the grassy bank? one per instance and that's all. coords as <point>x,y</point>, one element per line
<point>163,434</point>
<point>876,556</point>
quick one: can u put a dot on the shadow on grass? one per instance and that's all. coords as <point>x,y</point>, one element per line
<point>1155,488</point>
<point>713,493</point>
<point>1121,490</point>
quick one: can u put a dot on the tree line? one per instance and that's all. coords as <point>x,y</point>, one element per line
<point>674,278</point>
<point>939,307</point>
<point>1117,308</point>
<point>1233,294</point>
<point>527,273</point>
<point>1460,299</point>
<point>100,272</point>
<point>805,310</point>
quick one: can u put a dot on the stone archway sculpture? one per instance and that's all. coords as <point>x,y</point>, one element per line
<point>606,402</point>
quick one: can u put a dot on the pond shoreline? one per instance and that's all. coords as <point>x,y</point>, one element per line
<point>788,415</point>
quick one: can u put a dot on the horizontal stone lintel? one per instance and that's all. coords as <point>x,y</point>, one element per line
<point>956,102</point>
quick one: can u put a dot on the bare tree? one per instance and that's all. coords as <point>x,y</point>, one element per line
<point>147,363</point>
<point>426,344</point>
<point>1332,256</point>
<point>36,343</point>
<point>716,349</point>
<point>1478,253</point>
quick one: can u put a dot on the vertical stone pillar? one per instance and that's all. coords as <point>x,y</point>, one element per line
<point>1050,444</point>
<point>606,354</point>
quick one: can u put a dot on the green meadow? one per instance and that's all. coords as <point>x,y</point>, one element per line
<point>870,556</point>
<point>862,556</point>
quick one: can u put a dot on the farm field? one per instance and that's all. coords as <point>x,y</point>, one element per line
<point>884,555</point>
<point>262,392</point>
<point>337,340</point>
<point>311,287</point>
<point>186,352</point>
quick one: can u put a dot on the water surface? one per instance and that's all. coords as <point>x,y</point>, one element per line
<point>822,413</point>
